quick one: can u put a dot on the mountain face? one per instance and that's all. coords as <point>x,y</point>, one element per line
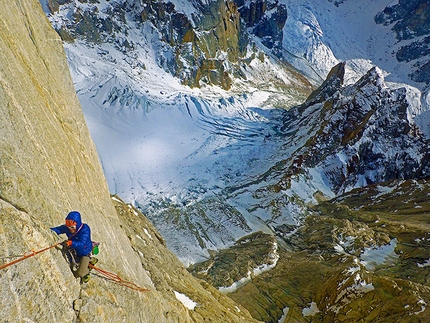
<point>279,142</point>
<point>50,166</point>
<point>209,45</point>
<point>410,21</point>
<point>367,133</point>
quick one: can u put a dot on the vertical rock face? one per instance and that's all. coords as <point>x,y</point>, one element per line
<point>49,164</point>
<point>48,167</point>
<point>266,20</point>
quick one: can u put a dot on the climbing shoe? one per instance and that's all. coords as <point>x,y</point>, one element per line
<point>93,261</point>
<point>86,278</point>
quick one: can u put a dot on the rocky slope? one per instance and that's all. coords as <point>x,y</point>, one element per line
<point>202,43</point>
<point>49,166</point>
<point>362,257</point>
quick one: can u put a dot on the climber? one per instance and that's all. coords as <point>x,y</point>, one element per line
<point>79,242</point>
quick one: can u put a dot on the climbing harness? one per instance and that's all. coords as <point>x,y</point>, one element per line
<point>73,257</point>
<point>28,255</point>
<point>115,278</point>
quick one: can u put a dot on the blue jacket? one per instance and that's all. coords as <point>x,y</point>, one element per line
<point>81,239</point>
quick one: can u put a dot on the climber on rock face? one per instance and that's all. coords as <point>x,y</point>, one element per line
<point>79,243</point>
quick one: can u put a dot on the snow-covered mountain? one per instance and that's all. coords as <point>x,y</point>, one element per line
<point>183,102</point>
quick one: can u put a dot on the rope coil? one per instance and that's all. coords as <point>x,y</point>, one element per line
<point>115,278</point>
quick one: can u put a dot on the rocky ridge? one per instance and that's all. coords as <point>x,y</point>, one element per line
<point>214,45</point>
<point>358,122</point>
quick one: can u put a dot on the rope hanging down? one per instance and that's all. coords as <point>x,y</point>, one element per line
<point>108,275</point>
<point>115,278</point>
<point>28,255</point>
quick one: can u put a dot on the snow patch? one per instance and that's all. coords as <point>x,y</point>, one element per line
<point>186,301</point>
<point>311,310</point>
<point>425,264</point>
<point>283,318</point>
<point>147,233</point>
<point>423,306</point>
<point>373,256</point>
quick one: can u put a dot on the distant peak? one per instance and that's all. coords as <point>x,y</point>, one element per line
<point>375,76</point>
<point>337,72</point>
<point>332,83</point>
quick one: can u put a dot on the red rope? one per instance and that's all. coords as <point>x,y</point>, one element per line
<point>28,255</point>
<point>115,278</point>
<point>111,276</point>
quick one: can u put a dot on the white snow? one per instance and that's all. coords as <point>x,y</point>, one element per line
<point>425,264</point>
<point>423,306</point>
<point>311,310</point>
<point>236,285</point>
<point>373,256</point>
<point>284,315</point>
<point>147,233</point>
<point>383,190</point>
<point>185,300</point>
<point>116,199</point>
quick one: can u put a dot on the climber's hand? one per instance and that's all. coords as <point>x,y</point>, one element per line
<point>66,243</point>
